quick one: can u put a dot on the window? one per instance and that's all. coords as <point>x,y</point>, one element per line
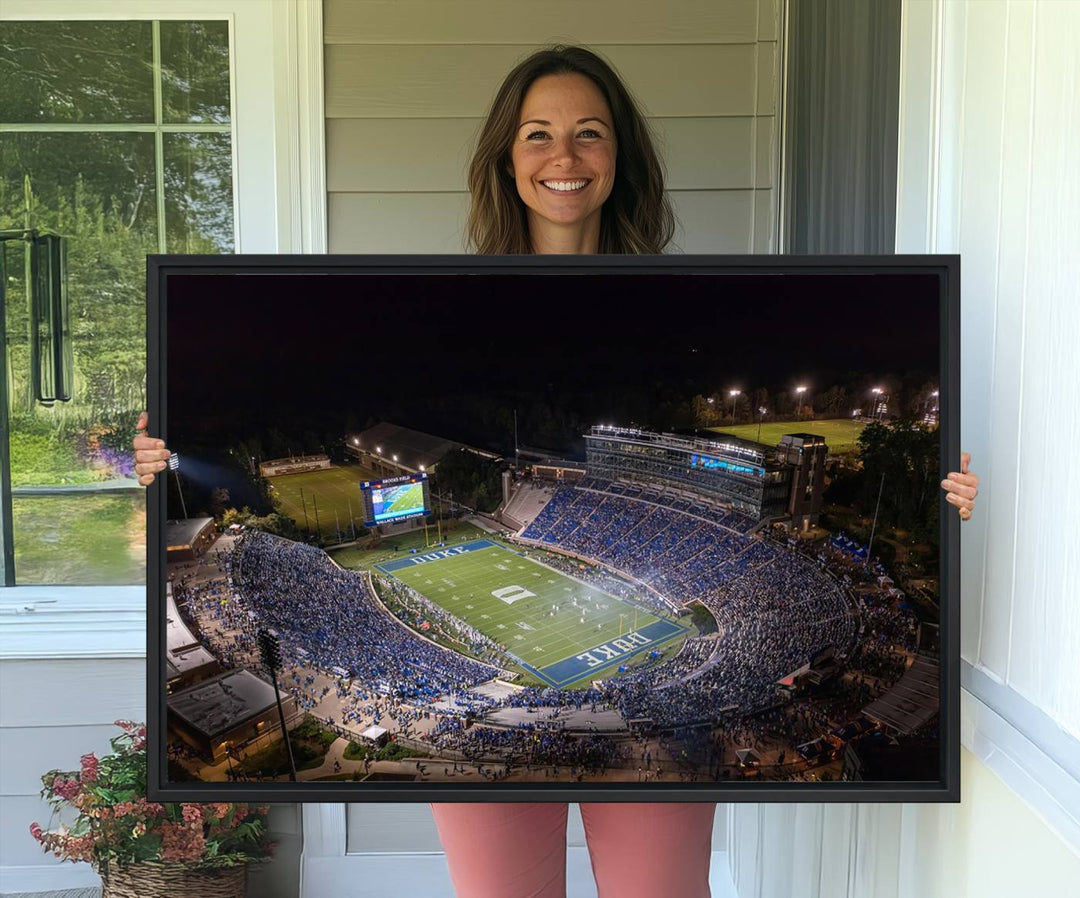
<point>116,135</point>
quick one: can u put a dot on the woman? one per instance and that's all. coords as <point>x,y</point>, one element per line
<point>565,164</point>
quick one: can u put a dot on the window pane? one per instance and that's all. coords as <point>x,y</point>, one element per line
<point>198,193</point>
<point>81,540</point>
<point>97,190</point>
<point>195,72</point>
<point>76,72</point>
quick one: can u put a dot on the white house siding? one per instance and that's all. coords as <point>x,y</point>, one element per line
<point>408,83</point>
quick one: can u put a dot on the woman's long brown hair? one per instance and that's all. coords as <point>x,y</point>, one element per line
<point>637,216</point>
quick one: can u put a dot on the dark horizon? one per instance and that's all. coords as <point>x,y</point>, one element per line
<point>454,354</point>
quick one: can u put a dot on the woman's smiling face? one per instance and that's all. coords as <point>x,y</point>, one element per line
<point>563,155</point>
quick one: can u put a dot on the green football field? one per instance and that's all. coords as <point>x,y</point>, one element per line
<point>841,435</point>
<point>334,490</point>
<point>509,597</point>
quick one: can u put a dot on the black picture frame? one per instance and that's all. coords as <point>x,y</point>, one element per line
<point>946,268</point>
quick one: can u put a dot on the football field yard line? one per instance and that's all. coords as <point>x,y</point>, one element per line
<point>478,572</point>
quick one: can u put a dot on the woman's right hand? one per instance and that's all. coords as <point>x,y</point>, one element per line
<point>151,455</point>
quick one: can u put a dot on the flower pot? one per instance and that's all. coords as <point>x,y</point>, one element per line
<point>174,881</point>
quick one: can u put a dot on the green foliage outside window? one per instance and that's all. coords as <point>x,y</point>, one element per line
<point>102,187</point>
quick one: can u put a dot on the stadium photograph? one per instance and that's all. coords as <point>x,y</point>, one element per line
<point>631,529</point>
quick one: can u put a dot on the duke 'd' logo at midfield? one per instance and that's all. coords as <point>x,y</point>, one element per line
<point>611,650</point>
<point>511,594</point>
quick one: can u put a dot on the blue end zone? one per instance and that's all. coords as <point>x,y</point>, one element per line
<point>388,567</point>
<point>614,651</point>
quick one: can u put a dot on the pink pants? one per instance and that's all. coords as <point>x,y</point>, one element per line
<point>503,850</point>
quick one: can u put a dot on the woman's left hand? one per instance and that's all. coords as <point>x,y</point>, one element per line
<point>962,487</point>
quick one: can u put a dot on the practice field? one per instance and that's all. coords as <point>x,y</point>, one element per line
<point>509,597</point>
<point>331,490</point>
<point>841,435</point>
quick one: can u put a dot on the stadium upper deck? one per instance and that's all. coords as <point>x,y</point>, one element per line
<point>727,470</point>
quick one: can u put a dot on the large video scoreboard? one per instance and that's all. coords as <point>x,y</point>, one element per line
<point>395,499</point>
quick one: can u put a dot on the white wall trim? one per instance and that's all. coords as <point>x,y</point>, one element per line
<point>298,37</point>
<point>324,830</point>
<point>1044,778</point>
<point>919,111</point>
<point>44,622</point>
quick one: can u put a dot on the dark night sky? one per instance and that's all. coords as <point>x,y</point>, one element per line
<point>246,352</point>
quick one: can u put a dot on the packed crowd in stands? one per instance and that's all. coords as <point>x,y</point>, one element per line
<point>417,610</point>
<point>211,605</point>
<point>529,744</point>
<point>332,617</point>
<point>774,608</point>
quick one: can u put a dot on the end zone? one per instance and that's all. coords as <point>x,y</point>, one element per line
<point>607,653</point>
<point>398,564</point>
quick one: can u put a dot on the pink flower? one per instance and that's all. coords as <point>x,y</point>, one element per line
<point>221,808</point>
<point>192,813</point>
<point>89,768</point>
<point>181,842</point>
<point>66,789</point>
<point>36,832</point>
<point>150,808</point>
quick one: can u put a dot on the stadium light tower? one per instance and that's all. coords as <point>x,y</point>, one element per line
<point>799,390</point>
<point>174,466</point>
<point>761,417</point>
<point>733,394</point>
<point>270,652</point>
<point>879,400</point>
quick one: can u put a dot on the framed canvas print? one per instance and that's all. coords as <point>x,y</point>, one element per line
<point>572,528</point>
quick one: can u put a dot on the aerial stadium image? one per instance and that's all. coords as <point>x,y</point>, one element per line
<point>553,530</point>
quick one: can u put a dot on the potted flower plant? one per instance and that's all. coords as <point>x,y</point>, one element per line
<point>140,847</point>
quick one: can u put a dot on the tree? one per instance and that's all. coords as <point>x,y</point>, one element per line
<point>474,480</point>
<point>834,402</point>
<point>906,453</point>
<point>219,501</point>
<point>705,413</point>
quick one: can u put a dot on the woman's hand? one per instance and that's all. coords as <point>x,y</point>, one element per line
<point>962,487</point>
<point>150,453</point>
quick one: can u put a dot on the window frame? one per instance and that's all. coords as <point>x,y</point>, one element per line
<point>277,119</point>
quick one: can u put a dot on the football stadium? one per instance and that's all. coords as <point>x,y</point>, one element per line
<point>646,611</point>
